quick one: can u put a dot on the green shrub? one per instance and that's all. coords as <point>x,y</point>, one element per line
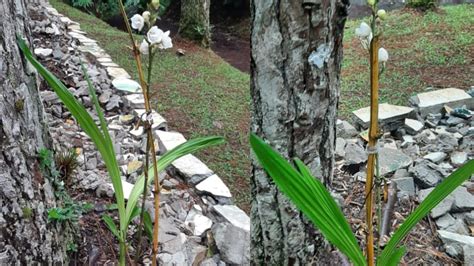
<point>423,4</point>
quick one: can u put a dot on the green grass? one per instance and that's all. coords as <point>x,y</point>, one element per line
<point>199,94</point>
<point>426,49</point>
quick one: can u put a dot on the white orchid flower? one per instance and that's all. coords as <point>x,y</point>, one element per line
<point>146,16</point>
<point>165,41</point>
<point>383,55</point>
<point>363,31</point>
<point>144,47</point>
<point>155,35</point>
<point>137,22</point>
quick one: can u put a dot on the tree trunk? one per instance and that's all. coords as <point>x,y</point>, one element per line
<point>295,98</point>
<point>26,236</point>
<point>194,21</point>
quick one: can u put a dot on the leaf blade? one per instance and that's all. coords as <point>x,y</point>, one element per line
<point>310,196</point>
<point>434,198</point>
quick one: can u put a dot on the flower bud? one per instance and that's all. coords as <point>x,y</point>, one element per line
<point>146,16</point>
<point>382,14</point>
<point>155,4</point>
<point>383,55</point>
<point>371,2</point>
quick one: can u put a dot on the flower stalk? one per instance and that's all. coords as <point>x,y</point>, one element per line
<point>150,140</point>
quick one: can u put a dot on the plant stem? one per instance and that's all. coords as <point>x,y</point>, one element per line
<point>144,85</point>
<point>373,135</point>
<point>142,213</point>
<point>147,160</point>
<point>122,252</point>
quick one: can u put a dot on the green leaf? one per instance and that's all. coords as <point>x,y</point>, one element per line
<point>147,222</point>
<point>188,147</point>
<point>135,213</point>
<point>311,197</point>
<point>441,191</point>
<point>111,225</point>
<point>396,257</point>
<point>100,138</point>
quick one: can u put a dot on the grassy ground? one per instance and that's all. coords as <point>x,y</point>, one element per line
<point>434,49</point>
<point>199,94</point>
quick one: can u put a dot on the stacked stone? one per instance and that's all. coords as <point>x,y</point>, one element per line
<point>421,145</point>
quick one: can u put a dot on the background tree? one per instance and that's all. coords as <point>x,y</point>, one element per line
<point>194,21</point>
<point>295,74</point>
<point>25,193</point>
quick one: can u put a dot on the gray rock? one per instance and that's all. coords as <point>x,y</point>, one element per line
<point>91,163</point>
<point>413,126</point>
<point>445,221</point>
<point>233,243</point>
<point>340,148</point>
<point>355,154</point>
<point>442,208</point>
<point>174,245</point>
<point>452,121</point>
<point>401,173</point>
<point>43,52</point>
<point>215,186</point>
<point>433,101</point>
<point>113,102</point>
<point>426,174</point>
<point>169,140</point>
<point>458,227</point>
<point>192,169</point>
<point>197,222</point>
<point>57,53</point>
<point>435,157</point>
<point>407,140</point>
<point>114,72</point>
<point>458,158</point>
<point>105,96</point>
<point>345,130</point>
<point>463,200</point>
<point>208,262</point>
<point>104,189</point>
<point>405,185</point>
<point>234,215</point>
<point>391,160</point>
<point>468,254</point>
<point>469,218</point>
<point>158,122</point>
<point>135,101</point>
<point>456,241</point>
<point>391,116</point>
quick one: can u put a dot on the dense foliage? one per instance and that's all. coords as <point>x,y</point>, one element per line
<point>106,9</point>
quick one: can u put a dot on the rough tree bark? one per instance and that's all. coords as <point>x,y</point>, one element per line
<point>294,109</point>
<point>25,194</point>
<point>194,21</point>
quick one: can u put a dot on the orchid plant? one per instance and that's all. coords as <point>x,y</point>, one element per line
<point>155,40</point>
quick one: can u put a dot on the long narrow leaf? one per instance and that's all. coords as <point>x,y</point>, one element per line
<point>111,159</point>
<point>434,198</point>
<point>311,197</point>
<point>85,121</point>
<point>111,225</point>
<point>188,147</point>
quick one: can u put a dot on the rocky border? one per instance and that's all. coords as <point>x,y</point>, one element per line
<point>230,226</point>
